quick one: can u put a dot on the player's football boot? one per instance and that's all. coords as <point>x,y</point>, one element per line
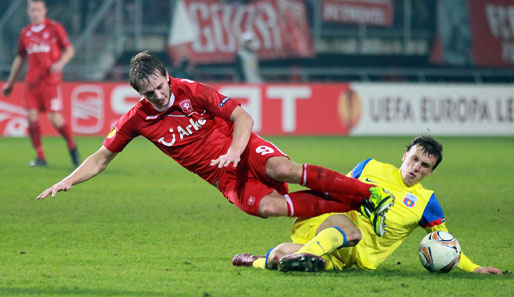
<point>379,202</point>
<point>245,259</point>
<point>378,222</point>
<point>301,262</point>
<point>37,163</point>
<point>75,157</point>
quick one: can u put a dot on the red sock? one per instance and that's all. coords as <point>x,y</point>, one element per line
<point>352,201</point>
<point>65,132</point>
<point>35,137</point>
<point>311,204</point>
<point>327,181</point>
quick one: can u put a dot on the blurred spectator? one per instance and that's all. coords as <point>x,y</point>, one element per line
<point>184,69</point>
<point>247,62</point>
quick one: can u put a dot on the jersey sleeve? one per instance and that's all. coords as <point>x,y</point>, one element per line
<point>357,170</point>
<point>121,134</point>
<point>216,103</point>
<point>433,214</point>
<point>62,38</point>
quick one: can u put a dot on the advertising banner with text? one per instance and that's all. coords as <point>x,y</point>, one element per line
<point>367,12</point>
<point>302,109</point>
<point>210,31</point>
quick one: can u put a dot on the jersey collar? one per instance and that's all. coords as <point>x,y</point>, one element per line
<point>38,28</point>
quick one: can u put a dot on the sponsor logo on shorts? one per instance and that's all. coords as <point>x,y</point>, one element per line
<point>251,200</point>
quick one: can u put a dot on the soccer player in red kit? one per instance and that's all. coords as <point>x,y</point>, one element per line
<point>46,46</point>
<point>211,135</point>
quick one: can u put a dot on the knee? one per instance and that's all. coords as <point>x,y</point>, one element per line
<point>32,116</point>
<point>273,208</point>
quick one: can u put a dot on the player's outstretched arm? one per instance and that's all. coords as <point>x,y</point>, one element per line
<point>93,165</point>
<point>487,270</point>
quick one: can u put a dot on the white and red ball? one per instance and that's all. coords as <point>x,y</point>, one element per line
<point>439,252</point>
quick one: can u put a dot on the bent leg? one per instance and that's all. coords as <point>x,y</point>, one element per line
<point>62,127</point>
<point>317,178</point>
<point>335,232</point>
<point>35,133</point>
<point>298,204</point>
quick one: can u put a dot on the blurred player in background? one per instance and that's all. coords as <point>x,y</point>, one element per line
<point>211,135</point>
<point>46,46</point>
<point>247,61</point>
<point>334,241</point>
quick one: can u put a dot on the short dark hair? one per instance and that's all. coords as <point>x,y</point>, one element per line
<point>142,66</point>
<point>430,146</point>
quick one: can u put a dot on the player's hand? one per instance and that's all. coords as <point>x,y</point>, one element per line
<point>487,270</point>
<point>55,68</point>
<point>7,89</point>
<point>60,186</point>
<point>226,159</point>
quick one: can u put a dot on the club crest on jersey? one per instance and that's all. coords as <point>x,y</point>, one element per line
<point>410,200</point>
<point>186,106</point>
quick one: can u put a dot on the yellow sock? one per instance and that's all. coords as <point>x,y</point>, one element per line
<point>327,241</point>
<point>260,263</point>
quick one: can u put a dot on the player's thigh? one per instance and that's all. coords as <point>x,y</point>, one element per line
<point>273,205</point>
<point>32,115</point>
<point>259,151</point>
<point>55,118</point>
<point>339,220</point>
<point>284,170</point>
<point>50,95</point>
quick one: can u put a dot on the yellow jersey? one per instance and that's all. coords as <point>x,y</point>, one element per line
<point>414,206</point>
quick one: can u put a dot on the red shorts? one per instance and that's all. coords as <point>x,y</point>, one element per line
<point>247,184</point>
<point>44,97</point>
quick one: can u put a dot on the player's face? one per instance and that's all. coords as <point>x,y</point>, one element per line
<point>36,12</point>
<point>416,165</point>
<point>157,91</point>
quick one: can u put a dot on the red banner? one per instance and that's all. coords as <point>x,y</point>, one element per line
<point>210,31</point>
<point>368,12</point>
<point>277,109</point>
<point>479,32</point>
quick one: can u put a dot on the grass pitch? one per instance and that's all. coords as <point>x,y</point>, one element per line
<point>146,227</point>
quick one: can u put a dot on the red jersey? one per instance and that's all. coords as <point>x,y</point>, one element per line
<point>193,130</point>
<point>42,44</point>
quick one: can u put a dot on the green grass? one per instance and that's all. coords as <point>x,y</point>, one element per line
<point>146,227</point>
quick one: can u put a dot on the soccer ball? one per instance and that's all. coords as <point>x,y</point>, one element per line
<point>439,252</point>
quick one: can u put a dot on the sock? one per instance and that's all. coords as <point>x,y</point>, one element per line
<point>324,180</point>
<point>35,137</point>
<point>327,241</point>
<point>310,204</point>
<point>352,201</point>
<point>65,132</point>
<point>259,263</point>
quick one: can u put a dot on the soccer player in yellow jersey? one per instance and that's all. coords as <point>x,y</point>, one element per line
<point>334,241</point>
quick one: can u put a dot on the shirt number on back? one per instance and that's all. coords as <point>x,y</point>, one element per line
<point>264,150</point>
